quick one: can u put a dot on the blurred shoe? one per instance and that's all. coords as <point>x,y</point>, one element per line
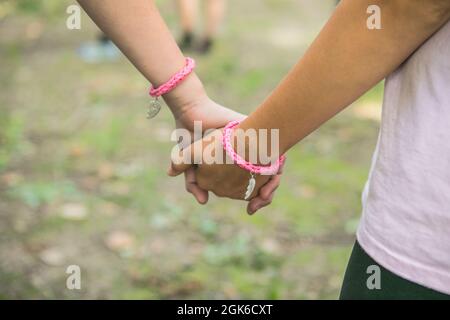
<point>205,46</point>
<point>186,41</point>
<point>102,50</point>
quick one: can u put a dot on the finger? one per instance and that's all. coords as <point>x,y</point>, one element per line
<point>181,160</point>
<point>270,187</point>
<point>191,186</point>
<point>265,195</point>
<point>258,203</point>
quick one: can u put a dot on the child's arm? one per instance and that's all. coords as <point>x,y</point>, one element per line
<point>344,61</point>
<point>138,29</point>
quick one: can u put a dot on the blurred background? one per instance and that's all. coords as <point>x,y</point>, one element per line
<point>82,171</point>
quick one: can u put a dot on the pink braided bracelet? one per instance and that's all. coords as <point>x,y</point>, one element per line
<point>168,86</point>
<point>241,162</point>
<point>175,80</point>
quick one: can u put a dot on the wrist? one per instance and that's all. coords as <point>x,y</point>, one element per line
<point>258,159</point>
<point>255,145</point>
<point>185,96</point>
<point>277,143</point>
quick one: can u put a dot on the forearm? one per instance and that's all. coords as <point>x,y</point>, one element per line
<point>138,29</point>
<point>345,61</point>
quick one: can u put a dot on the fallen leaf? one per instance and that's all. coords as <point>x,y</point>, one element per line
<point>270,246</point>
<point>34,30</point>
<point>105,171</point>
<point>77,151</point>
<point>74,211</point>
<point>90,183</point>
<point>119,241</point>
<point>11,179</point>
<point>52,257</point>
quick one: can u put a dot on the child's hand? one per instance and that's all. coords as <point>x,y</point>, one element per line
<point>224,180</point>
<point>212,116</point>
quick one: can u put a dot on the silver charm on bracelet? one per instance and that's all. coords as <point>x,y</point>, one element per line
<point>250,187</point>
<point>153,108</point>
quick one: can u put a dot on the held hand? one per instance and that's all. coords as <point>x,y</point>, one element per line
<point>189,102</point>
<point>223,179</point>
<point>212,116</point>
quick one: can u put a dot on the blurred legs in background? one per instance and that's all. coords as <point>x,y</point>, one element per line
<point>103,50</point>
<point>187,10</point>
<point>215,10</point>
<point>99,51</point>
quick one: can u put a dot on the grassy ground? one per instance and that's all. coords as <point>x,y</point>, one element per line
<point>82,172</point>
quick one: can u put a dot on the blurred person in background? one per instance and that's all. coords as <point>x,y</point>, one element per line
<point>188,12</point>
<point>104,50</point>
<point>100,50</point>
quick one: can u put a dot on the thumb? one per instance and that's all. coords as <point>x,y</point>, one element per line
<point>181,160</point>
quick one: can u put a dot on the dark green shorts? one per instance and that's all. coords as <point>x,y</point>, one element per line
<point>365,279</point>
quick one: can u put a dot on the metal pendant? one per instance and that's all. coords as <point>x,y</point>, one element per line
<point>153,108</point>
<point>250,187</point>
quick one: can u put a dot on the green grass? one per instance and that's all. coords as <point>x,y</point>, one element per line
<point>11,129</point>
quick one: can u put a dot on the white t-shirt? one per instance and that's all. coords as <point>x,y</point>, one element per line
<point>405,225</point>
